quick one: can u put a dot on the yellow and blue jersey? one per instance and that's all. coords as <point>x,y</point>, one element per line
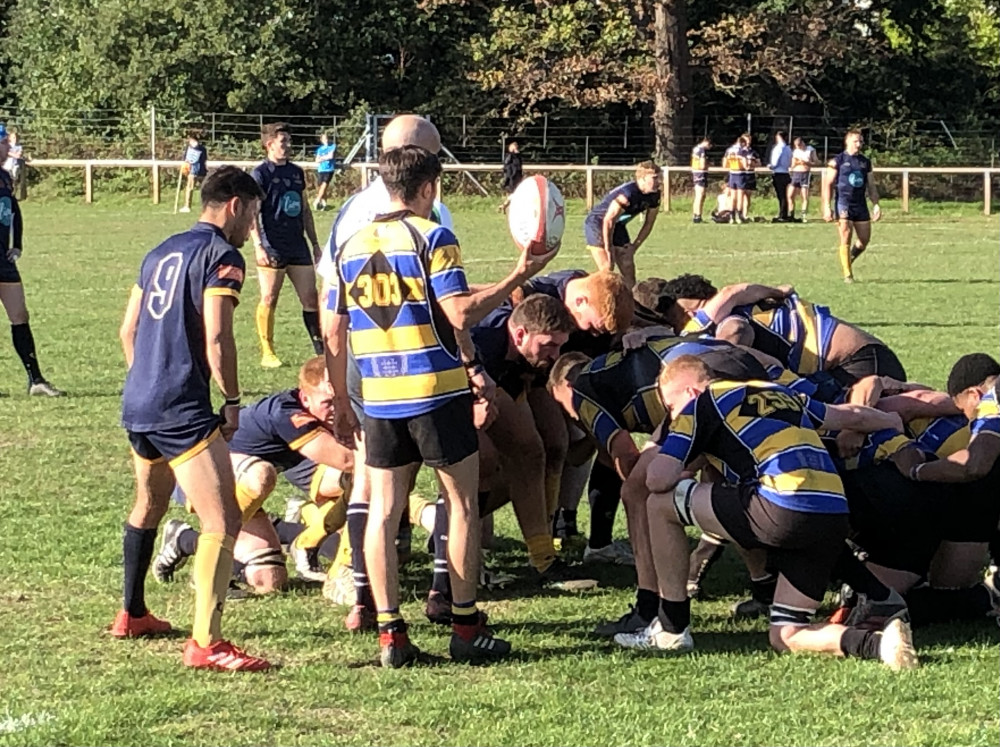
<point>168,383</point>
<point>987,419</point>
<point>875,449</point>
<point>820,386</point>
<point>282,224</point>
<point>197,157</point>
<point>940,437</point>
<point>392,274</point>
<point>275,428</point>
<point>763,436</point>
<point>699,159</point>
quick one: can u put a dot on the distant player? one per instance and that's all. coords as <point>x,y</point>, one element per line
<point>326,166</point>
<point>803,159</point>
<point>178,337</point>
<point>195,166</point>
<point>513,172</point>
<point>11,289</point>
<point>699,177</point>
<point>737,161</point>
<point>280,241</point>
<point>850,172</point>
<point>605,227</point>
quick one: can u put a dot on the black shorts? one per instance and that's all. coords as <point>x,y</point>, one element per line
<point>970,512</point>
<point>854,212</point>
<point>800,179</point>
<point>175,445</point>
<point>594,234</point>
<point>734,365</point>
<point>893,519</point>
<point>324,177</point>
<point>8,270</point>
<point>700,178</point>
<point>873,359</point>
<point>803,547</point>
<point>280,259</point>
<point>439,438</point>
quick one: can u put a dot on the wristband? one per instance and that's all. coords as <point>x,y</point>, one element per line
<point>232,402</point>
<point>474,363</point>
<point>915,471</point>
<point>476,370</point>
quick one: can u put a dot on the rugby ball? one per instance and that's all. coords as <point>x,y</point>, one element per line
<point>537,215</point>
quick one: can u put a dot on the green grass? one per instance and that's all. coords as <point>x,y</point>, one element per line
<point>928,287</point>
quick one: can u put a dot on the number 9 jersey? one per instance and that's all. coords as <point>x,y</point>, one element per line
<point>168,384</point>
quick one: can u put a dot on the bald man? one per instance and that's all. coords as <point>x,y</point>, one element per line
<point>359,211</point>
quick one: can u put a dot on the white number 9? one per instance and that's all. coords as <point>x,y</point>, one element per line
<point>165,281</point>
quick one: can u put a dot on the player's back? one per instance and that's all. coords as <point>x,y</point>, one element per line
<point>941,436</point>
<point>168,383</point>
<point>636,202</point>
<point>274,428</point>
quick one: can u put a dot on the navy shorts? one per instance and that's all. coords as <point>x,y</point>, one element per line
<point>737,181</point>
<point>324,177</point>
<point>700,178</point>
<point>854,212</point>
<point>594,234</point>
<point>280,259</point>
<point>175,445</point>
<point>800,179</point>
<point>8,270</point>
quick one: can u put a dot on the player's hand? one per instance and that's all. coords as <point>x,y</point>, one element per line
<point>230,415</point>
<point>14,254</point>
<point>787,290</point>
<point>529,264</point>
<point>317,254</point>
<point>484,413</point>
<point>346,429</point>
<point>876,213</point>
<point>263,258</point>
<point>483,386</point>
<point>849,443</point>
<point>828,215</point>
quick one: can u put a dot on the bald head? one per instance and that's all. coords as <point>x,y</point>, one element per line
<point>409,129</point>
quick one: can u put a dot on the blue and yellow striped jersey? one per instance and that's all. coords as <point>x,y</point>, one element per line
<point>820,386</point>
<point>942,436</point>
<point>876,448</point>
<point>761,435</point>
<point>699,158</point>
<point>391,276</point>
<point>987,418</point>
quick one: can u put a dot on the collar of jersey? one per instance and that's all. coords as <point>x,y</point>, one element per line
<point>397,215</point>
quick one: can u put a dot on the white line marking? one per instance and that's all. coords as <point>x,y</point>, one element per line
<point>13,724</point>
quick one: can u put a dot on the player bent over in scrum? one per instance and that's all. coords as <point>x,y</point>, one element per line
<point>178,336</point>
<point>789,502</point>
<point>285,433</point>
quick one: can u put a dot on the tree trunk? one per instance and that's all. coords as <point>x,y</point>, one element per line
<point>672,109</point>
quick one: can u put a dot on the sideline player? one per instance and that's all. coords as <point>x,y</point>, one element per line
<point>280,241</point>
<point>177,336</point>
<point>803,159</point>
<point>699,177</point>
<point>790,501</point>
<point>326,164</point>
<point>605,226</point>
<point>850,171</point>
<point>195,166</point>
<point>11,288</point>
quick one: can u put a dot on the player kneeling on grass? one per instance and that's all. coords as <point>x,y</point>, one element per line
<point>285,433</point>
<point>177,336</point>
<point>782,495</point>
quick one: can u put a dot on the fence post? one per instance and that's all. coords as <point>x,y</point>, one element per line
<point>156,183</point>
<point>791,121</point>
<point>590,187</point>
<point>625,135</point>
<point>364,177</point>
<point>586,149</point>
<point>906,191</point>
<point>464,134</point>
<point>88,182</point>
<point>826,148</point>
<point>987,188</point>
<point>213,127</point>
<point>152,150</point>
<point>666,189</point>
<point>545,131</point>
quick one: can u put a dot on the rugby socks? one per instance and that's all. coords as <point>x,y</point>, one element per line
<point>675,616</point>
<point>844,253</point>
<point>647,604</point>
<point>357,520</point>
<point>441,581</point>
<point>137,548</point>
<point>24,344</point>
<point>861,644</point>
<point>604,496</point>
<point>311,320</point>
<point>390,621</point>
<point>855,574</point>
<point>465,619</point>
<point>265,328</point>
<point>541,551</point>
<point>248,501</point>
<point>213,567</point>
<point>928,605</point>
<point>314,519</point>
<point>552,484</point>
<point>762,589</point>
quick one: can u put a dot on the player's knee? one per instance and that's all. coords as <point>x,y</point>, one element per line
<point>18,314</point>
<point>265,570</point>
<point>269,298</point>
<point>260,479</point>
<point>786,622</point>
<point>634,492</point>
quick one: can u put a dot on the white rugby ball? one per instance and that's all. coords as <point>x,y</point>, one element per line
<point>537,215</point>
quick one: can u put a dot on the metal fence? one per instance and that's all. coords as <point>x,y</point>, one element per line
<point>585,138</point>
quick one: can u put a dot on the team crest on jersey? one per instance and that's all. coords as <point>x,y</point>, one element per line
<point>856,179</point>
<point>291,204</point>
<point>378,291</point>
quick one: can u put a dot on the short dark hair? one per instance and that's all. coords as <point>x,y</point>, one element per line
<point>651,293</point>
<point>406,169</point>
<point>689,286</point>
<point>541,313</point>
<point>971,370</point>
<point>227,182</point>
<point>270,131</point>
<point>782,134</point>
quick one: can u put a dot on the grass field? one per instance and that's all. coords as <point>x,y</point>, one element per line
<point>928,287</point>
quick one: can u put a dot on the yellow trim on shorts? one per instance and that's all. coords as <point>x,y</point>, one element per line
<point>222,292</point>
<point>306,438</point>
<point>135,454</point>
<point>195,450</point>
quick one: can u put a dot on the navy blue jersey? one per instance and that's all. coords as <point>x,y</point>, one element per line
<point>197,157</point>
<point>281,212</point>
<point>637,203</point>
<point>492,342</point>
<point>852,178</point>
<point>275,428</point>
<point>10,215</point>
<point>168,383</point>
<point>554,285</point>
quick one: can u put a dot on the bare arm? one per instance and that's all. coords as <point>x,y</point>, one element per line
<point>829,174</point>
<point>866,392</point>
<point>126,332</point>
<point>966,465</point>
<point>608,226</point>
<point>220,344</point>
<point>310,227</point>
<point>861,419</point>
<point>345,423</point>
<point>648,221</point>
<point>325,449</point>
<point>872,191</point>
<point>919,404</point>
<point>624,453</point>
<point>721,305</point>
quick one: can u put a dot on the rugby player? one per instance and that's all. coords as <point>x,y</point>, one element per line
<point>737,160</point>
<point>803,159</point>
<point>285,434</point>
<point>280,241</point>
<point>177,336</point>
<point>195,166</point>
<point>851,171</point>
<point>699,177</point>
<point>403,302</point>
<point>11,288</point>
<point>605,228</point>
<point>789,501</point>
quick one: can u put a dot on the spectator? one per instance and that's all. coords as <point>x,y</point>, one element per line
<point>513,172</point>
<point>325,167</point>
<point>779,163</point>
<point>14,164</point>
<point>195,166</point>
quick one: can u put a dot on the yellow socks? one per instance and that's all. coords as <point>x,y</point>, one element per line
<point>265,328</point>
<point>844,253</point>
<point>541,551</point>
<point>213,567</point>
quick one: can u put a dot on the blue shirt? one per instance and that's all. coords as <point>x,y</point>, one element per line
<point>168,383</point>
<point>852,177</point>
<point>325,152</point>
<point>197,156</point>
<point>274,429</point>
<point>281,212</point>
<point>781,158</point>
<point>10,216</point>
<point>637,203</point>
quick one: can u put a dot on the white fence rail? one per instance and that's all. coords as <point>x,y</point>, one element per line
<point>366,169</point>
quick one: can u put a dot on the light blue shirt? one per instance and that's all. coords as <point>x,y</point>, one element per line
<point>781,158</point>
